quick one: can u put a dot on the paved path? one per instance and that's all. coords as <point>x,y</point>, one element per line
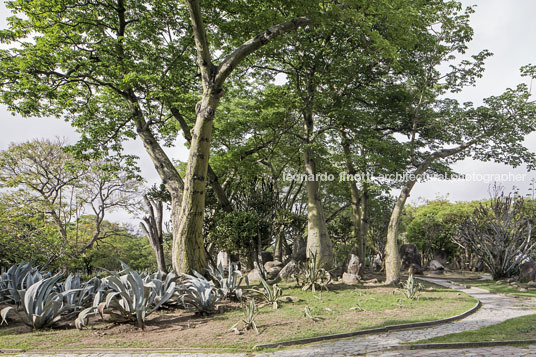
<point>495,308</point>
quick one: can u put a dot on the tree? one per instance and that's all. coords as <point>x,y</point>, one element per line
<point>122,69</point>
<point>500,233</point>
<point>42,177</point>
<point>152,225</point>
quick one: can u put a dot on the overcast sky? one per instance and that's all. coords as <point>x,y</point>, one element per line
<point>505,27</point>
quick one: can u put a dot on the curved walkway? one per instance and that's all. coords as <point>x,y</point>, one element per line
<point>495,308</point>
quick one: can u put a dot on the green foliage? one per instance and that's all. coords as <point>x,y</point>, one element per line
<point>200,295</point>
<point>269,294</point>
<point>42,306</point>
<point>250,312</point>
<point>128,297</point>
<point>433,226</point>
<point>313,276</point>
<point>229,284</point>
<point>411,288</point>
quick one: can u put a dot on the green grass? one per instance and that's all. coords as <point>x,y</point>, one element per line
<point>379,306</point>
<point>519,328</point>
<point>502,287</point>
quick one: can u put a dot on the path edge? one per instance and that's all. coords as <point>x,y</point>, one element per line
<point>408,326</point>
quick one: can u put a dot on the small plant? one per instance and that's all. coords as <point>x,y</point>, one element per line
<point>411,288</point>
<point>129,298</point>
<point>229,284</point>
<point>308,312</point>
<point>250,313</point>
<point>201,295</point>
<point>271,294</point>
<point>313,276</point>
<point>43,306</point>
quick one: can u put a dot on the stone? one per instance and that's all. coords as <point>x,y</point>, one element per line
<point>349,279</point>
<point>415,269</point>
<point>435,265</point>
<point>353,265</point>
<point>377,263</point>
<point>523,290</point>
<point>409,255</point>
<point>254,275</point>
<point>223,259</point>
<point>288,270</point>
<point>299,250</point>
<point>527,271</point>
<point>532,284</point>
<point>273,268</point>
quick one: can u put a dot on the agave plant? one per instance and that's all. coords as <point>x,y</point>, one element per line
<point>229,284</point>
<point>162,286</point>
<point>271,294</point>
<point>17,279</point>
<point>43,306</point>
<point>250,313</point>
<point>129,298</point>
<point>411,288</point>
<point>201,295</point>
<point>83,293</point>
<point>314,276</point>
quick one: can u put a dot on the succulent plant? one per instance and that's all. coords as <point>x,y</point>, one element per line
<point>200,294</point>
<point>229,284</point>
<point>411,288</point>
<point>271,294</point>
<point>250,311</point>
<point>313,276</point>
<point>128,297</point>
<point>16,280</point>
<point>43,306</point>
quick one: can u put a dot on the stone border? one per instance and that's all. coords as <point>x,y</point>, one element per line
<point>371,331</point>
<point>458,345</point>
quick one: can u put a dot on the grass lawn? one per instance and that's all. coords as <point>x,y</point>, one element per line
<point>502,287</point>
<point>342,309</point>
<point>519,328</point>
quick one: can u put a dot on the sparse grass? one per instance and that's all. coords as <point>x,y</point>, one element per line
<point>342,309</point>
<point>519,328</point>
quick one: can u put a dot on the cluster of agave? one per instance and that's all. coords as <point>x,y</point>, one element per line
<point>42,299</point>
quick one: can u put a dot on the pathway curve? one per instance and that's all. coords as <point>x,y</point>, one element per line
<point>495,309</point>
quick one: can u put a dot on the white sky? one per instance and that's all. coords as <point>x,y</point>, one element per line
<point>505,27</point>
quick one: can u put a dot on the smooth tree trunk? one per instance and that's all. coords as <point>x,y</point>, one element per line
<point>318,241</point>
<point>152,225</point>
<point>189,248</point>
<point>392,258</point>
<point>363,224</point>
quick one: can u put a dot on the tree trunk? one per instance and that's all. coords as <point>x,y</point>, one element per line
<point>364,223</point>
<point>188,244</point>
<point>392,258</point>
<point>278,248</point>
<point>318,241</point>
<point>152,225</point>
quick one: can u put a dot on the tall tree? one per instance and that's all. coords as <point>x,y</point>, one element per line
<point>121,69</point>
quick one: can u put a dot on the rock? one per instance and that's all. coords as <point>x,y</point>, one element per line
<point>377,263</point>
<point>223,259</point>
<point>409,255</point>
<point>267,257</point>
<point>273,265</point>
<point>527,271</point>
<point>415,269</point>
<point>523,290</point>
<point>273,268</point>
<point>372,281</point>
<point>288,270</point>
<point>435,265</point>
<point>353,265</point>
<point>349,279</point>
<point>532,284</point>
<point>254,275</point>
